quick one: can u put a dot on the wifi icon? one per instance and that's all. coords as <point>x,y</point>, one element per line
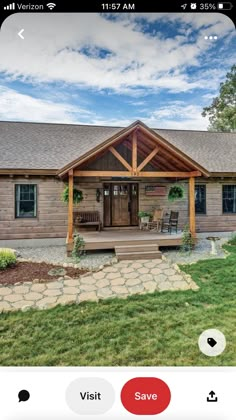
<point>51,5</point>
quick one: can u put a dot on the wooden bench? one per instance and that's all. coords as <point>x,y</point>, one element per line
<point>87,218</point>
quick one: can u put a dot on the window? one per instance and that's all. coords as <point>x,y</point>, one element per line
<point>25,200</point>
<point>229,198</point>
<point>200,199</point>
<point>106,190</point>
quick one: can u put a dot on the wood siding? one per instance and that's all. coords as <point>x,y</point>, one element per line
<point>146,203</point>
<point>89,202</point>
<point>215,220</point>
<point>51,220</point>
<point>108,162</point>
<point>149,203</point>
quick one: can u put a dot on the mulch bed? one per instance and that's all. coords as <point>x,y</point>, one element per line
<point>29,271</point>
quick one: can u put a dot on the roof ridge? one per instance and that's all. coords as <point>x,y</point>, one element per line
<point>195,131</point>
<point>113,126</point>
<point>65,124</point>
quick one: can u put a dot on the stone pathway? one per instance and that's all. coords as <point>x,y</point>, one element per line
<point>118,280</point>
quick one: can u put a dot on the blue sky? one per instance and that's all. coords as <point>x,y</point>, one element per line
<point>114,69</point>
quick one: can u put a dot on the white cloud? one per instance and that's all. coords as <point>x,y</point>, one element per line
<point>178,116</point>
<point>173,116</point>
<point>134,63</point>
<point>51,51</point>
<point>21,107</point>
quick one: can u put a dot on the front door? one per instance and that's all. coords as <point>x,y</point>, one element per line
<point>120,204</point>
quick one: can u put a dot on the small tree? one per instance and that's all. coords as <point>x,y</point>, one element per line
<point>222,111</point>
<point>187,240</point>
<point>79,245</point>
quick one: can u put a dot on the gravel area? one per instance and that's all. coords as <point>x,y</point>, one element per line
<point>94,259</point>
<point>202,250</point>
<point>57,254</point>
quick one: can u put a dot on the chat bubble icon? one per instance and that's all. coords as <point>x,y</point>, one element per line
<point>23,395</point>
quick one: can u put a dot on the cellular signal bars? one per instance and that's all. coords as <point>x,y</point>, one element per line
<point>10,7</point>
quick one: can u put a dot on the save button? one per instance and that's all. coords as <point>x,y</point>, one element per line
<point>145,396</point>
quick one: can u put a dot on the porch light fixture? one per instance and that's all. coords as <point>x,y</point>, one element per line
<point>98,195</point>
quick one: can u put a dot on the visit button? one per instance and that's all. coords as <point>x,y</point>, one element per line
<point>145,396</point>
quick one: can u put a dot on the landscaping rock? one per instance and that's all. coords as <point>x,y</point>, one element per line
<point>57,272</point>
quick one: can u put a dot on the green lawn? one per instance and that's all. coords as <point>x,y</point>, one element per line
<point>159,329</point>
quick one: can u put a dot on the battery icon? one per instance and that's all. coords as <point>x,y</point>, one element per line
<point>224,6</point>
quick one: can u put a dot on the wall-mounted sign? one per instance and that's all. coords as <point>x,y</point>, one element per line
<point>160,190</point>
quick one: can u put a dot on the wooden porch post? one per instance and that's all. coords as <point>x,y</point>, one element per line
<point>70,207</point>
<point>192,222</point>
<point>134,153</point>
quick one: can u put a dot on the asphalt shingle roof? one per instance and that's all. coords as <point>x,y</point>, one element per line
<point>47,146</point>
<point>215,152</point>
<point>52,146</point>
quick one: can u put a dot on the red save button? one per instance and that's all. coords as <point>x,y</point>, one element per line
<point>145,396</point>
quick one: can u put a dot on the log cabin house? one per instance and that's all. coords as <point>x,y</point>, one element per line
<point>120,171</point>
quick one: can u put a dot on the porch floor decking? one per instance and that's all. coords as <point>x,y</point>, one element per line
<point>111,239</point>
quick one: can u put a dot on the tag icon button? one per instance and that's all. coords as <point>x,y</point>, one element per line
<point>212,342</point>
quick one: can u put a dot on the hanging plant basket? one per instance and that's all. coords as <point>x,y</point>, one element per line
<point>77,195</point>
<point>176,192</point>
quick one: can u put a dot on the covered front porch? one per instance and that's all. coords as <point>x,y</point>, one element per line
<point>110,239</point>
<point>132,157</point>
<point>131,244</point>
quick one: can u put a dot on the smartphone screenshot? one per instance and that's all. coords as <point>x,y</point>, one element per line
<point>117,211</point>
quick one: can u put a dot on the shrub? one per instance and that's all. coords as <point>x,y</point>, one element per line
<point>187,240</point>
<point>7,258</point>
<point>79,244</point>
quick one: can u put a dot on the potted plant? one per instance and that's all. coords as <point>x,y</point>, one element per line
<point>176,192</point>
<point>77,195</point>
<point>144,216</point>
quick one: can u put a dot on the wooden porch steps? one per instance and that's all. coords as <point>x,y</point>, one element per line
<point>136,252</point>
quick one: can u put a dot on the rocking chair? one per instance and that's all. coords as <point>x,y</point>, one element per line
<point>156,222</point>
<point>171,223</point>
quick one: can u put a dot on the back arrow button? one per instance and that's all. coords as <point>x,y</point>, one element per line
<point>20,34</point>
